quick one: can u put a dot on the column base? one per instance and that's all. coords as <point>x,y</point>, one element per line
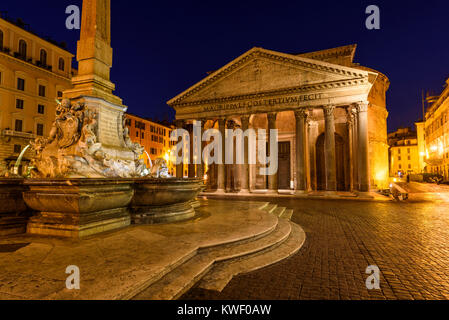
<point>301,192</point>
<point>220,191</point>
<point>244,191</point>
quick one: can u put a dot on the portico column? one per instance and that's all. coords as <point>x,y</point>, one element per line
<point>300,116</point>
<point>312,135</point>
<point>180,166</point>
<point>221,179</point>
<point>191,165</point>
<point>363,165</point>
<point>244,170</point>
<point>350,123</point>
<point>355,150</point>
<point>272,179</point>
<point>329,151</point>
<point>200,167</point>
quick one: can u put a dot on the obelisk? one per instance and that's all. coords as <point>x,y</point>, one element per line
<point>92,85</point>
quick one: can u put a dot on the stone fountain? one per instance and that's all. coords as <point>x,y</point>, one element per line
<point>88,176</point>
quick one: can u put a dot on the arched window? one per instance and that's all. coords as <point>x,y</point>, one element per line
<point>43,57</point>
<point>23,49</point>
<point>61,64</point>
<point>1,39</point>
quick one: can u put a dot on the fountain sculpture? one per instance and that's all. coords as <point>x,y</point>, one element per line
<point>88,176</point>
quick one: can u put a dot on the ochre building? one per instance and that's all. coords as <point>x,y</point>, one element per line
<point>404,152</point>
<point>329,111</point>
<point>33,72</point>
<point>437,135</point>
<point>153,136</point>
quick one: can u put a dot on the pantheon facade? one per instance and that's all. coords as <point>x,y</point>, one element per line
<point>330,113</point>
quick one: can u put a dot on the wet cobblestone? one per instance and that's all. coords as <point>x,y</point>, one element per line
<point>407,241</point>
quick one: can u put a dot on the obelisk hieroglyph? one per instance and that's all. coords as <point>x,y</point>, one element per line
<point>92,84</point>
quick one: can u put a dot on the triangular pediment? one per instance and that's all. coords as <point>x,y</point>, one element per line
<point>260,70</point>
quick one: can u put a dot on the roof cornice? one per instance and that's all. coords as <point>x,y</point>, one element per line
<point>272,55</point>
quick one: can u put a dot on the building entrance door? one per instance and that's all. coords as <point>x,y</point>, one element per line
<point>284,165</point>
<point>339,163</point>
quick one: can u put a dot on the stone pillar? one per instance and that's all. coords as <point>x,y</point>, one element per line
<point>312,134</point>
<point>350,124</point>
<point>221,179</point>
<point>329,148</point>
<point>363,152</point>
<point>200,167</point>
<point>272,179</point>
<point>191,165</point>
<point>230,168</point>
<point>244,169</point>
<point>180,166</point>
<point>355,150</point>
<point>300,164</point>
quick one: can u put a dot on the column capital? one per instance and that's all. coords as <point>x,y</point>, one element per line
<point>301,113</point>
<point>361,106</point>
<point>231,124</point>
<point>328,110</point>
<point>350,115</point>
<point>244,119</point>
<point>221,121</point>
<point>179,123</point>
<point>271,116</point>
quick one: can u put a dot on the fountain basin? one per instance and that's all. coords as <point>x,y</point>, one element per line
<point>13,211</point>
<point>161,200</point>
<point>78,207</point>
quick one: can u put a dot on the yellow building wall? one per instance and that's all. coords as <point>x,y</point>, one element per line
<point>404,159</point>
<point>156,143</point>
<point>377,133</point>
<point>12,68</point>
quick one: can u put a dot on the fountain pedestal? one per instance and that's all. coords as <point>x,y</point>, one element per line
<point>78,207</point>
<point>13,211</point>
<point>164,200</point>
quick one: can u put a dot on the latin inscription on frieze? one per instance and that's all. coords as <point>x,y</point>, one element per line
<point>263,102</point>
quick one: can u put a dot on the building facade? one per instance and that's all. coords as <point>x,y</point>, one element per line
<point>33,72</point>
<point>436,129</point>
<point>329,111</point>
<point>153,136</point>
<point>404,153</point>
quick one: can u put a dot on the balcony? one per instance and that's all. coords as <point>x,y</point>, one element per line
<point>17,55</point>
<point>434,156</point>
<point>18,134</point>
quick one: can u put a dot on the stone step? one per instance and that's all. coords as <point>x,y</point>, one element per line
<point>270,207</point>
<point>264,205</point>
<point>181,279</point>
<point>287,214</point>
<point>279,211</point>
<point>221,274</point>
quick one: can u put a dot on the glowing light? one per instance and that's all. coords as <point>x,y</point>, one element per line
<point>395,180</point>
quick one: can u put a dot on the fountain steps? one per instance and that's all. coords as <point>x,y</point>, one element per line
<point>214,266</point>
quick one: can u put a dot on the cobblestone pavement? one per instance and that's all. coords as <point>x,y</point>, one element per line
<point>407,241</point>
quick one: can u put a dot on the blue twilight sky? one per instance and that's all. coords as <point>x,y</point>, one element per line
<point>163,47</point>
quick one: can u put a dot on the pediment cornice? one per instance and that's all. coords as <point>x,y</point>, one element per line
<point>352,74</point>
<point>284,92</point>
